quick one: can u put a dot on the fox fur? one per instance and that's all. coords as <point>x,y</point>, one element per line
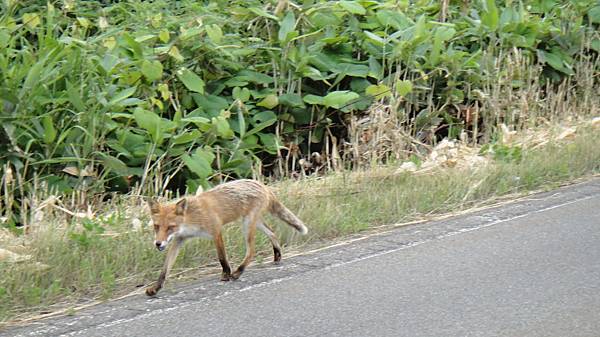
<point>206,214</point>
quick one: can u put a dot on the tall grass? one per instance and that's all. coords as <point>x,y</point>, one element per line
<point>102,103</point>
<point>145,96</point>
<point>107,257</point>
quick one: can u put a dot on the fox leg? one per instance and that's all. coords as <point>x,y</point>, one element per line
<point>169,261</point>
<point>269,232</point>
<point>218,239</point>
<point>249,226</point>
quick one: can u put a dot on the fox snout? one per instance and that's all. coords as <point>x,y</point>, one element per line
<point>160,245</point>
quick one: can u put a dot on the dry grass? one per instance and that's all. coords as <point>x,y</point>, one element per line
<point>516,95</point>
<point>78,260</point>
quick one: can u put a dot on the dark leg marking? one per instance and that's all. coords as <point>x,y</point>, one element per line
<point>276,254</point>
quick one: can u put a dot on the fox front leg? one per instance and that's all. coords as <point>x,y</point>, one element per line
<point>169,261</point>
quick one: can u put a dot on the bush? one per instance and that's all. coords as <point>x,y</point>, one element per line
<point>99,95</point>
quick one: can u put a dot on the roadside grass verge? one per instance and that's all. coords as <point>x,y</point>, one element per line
<point>360,200</point>
<point>78,262</point>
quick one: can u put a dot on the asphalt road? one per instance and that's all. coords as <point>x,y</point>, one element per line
<point>530,268</point>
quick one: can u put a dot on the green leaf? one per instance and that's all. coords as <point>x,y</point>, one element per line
<point>359,84</point>
<point>32,20</point>
<point>242,94</point>
<point>393,18</point>
<point>595,45</point>
<point>199,121</point>
<point>445,33</point>
<point>355,70</point>
<point>120,96</point>
<point>337,99</point>
<point>152,70</point>
<point>108,62</point>
<point>83,22</point>
<point>114,164</point>
<point>442,34</point>
<point>490,16</point>
<point>215,33</point>
<point>254,76</point>
<point>325,61</point>
<point>222,126</point>
<point>241,123</point>
<point>325,18</point>
<point>313,99</point>
<point>164,36</point>
<point>33,76</point>
<point>150,122</point>
<point>211,104</point>
<point>260,12</point>
<point>135,46</point>
<point>420,27</point>
<point>165,93</point>
<point>49,130</point>
<point>174,53</point>
<point>286,28</point>
<point>379,91</point>
<point>186,137</point>
<point>291,100</point>
<point>594,14</point>
<point>75,97</point>
<point>206,153</point>
<point>264,116</point>
<point>375,38</point>
<point>197,164</point>
<point>556,60</point>
<point>260,126</point>
<point>269,102</point>
<point>375,69</point>
<point>4,38</point>
<point>353,7</point>
<point>404,87</point>
<point>270,142</point>
<point>191,81</point>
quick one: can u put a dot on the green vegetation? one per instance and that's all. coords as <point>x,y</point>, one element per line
<point>106,257</point>
<point>135,95</point>
<point>102,102</point>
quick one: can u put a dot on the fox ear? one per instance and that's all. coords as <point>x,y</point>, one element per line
<point>154,206</point>
<point>181,206</point>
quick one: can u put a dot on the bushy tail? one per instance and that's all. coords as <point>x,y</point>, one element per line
<point>286,215</point>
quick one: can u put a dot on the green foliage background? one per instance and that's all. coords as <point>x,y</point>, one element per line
<point>177,93</point>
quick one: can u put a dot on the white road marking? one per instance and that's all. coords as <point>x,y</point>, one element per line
<point>282,279</point>
<point>452,233</point>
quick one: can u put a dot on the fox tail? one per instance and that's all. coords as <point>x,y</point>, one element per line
<point>279,210</point>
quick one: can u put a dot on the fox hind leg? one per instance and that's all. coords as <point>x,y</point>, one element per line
<point>222,255</point>
<point>269,233</point>
<point>249,227</point>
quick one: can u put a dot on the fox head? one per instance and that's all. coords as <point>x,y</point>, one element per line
<point>166,219</point>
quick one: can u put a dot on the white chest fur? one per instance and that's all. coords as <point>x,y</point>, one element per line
<point>188,231</point>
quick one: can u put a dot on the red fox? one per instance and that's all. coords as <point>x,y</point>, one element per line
<point>204,216</point>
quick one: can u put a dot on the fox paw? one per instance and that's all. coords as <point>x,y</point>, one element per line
<point>277,258</point>
<point>236,274</point>
<point>225,277</point>
<point>151,291</point>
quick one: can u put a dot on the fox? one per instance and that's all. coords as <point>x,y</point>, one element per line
<point>205,215</point>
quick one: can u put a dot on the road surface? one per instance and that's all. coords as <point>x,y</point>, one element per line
<point>530,268</point>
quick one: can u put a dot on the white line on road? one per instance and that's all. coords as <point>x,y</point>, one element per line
<point>452,233</point>
<point>336,265</point>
